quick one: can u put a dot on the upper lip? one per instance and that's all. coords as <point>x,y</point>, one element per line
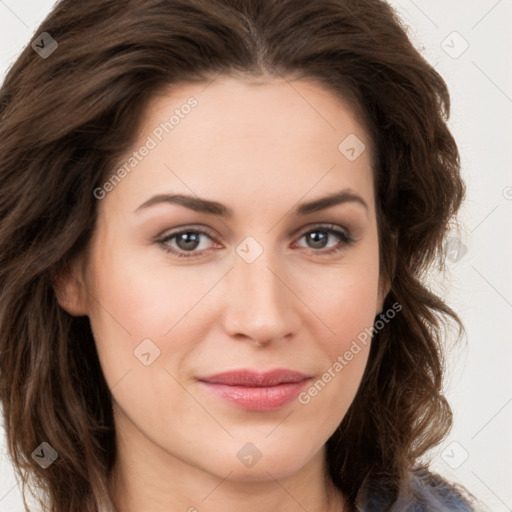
<point>255,378</point>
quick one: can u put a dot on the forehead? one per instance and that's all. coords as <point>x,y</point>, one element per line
<point>263,139</point>
<point>228,107</point>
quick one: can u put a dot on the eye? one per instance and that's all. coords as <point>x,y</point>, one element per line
<point>190,242</point>
<point>318,239</point>
<point>185,241</point>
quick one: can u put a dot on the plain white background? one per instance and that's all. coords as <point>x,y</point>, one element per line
<point>469,43</point>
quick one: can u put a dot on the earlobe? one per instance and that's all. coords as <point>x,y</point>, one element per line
<point>69,290</point>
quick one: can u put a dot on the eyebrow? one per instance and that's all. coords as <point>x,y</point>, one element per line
<point>214,208</point>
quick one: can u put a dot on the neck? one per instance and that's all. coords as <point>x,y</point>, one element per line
<point>145,478</point>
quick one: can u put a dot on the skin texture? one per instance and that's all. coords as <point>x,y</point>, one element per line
<point>260,149</point>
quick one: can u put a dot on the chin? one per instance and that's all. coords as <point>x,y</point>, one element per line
<point>268,460</point>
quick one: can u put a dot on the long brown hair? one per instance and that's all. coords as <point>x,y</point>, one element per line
<point>66,119</point>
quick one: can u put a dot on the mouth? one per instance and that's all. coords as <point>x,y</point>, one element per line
<point>256,391</point>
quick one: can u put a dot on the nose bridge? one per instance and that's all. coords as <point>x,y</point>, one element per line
<point>260,306</point>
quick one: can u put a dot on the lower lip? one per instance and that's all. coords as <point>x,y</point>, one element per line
<point>258,398</point>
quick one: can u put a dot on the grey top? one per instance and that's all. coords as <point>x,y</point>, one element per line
<point>427,493</point>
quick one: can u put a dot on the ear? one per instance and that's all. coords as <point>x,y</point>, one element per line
<point>384,288</point>
<point>69,288</point>
<point>385,279</point>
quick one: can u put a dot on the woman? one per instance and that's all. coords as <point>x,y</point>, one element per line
<point>217,217</point>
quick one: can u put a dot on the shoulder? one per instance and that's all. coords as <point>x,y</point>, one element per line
<point>426,492</point>
<point>434,493</point>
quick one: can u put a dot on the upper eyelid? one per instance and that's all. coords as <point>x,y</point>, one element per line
<point>176,231</point>
<point>322,225</point>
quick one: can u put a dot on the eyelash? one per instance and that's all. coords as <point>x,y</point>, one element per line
<point>346,240</point>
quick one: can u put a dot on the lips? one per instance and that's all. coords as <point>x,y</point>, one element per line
<point>255,379</point>
<point>256,391</point>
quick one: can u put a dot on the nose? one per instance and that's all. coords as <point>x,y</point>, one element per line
<point>260,305</point>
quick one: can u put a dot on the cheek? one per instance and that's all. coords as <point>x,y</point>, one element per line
<point>143,299</point>
<point>346,299</point>
<point>348,311</point>
<point>135,302</point>
<point>126,308</point>
<point>347,307</point>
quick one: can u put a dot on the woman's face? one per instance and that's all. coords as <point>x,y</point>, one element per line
<point>258,281</point>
